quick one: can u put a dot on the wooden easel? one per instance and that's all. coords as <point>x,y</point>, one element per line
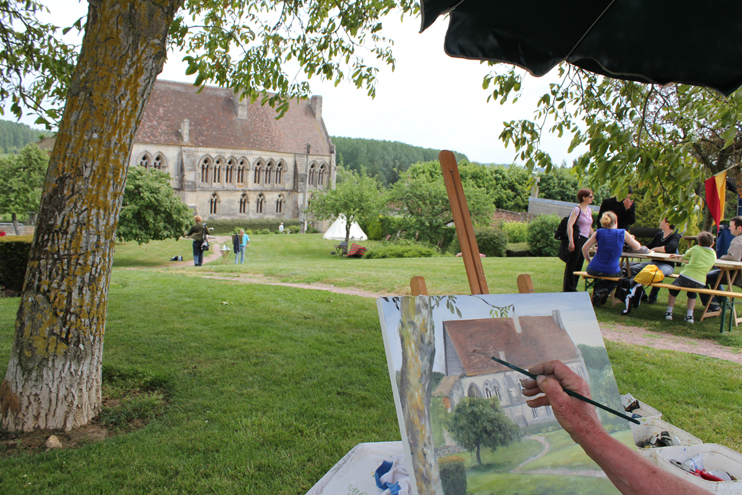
<point>465,233</point>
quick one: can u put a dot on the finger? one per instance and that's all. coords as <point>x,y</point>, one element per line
<point>538,402</point>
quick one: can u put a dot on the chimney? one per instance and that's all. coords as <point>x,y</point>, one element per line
<point>240,105</point>
<point>316,103</point>
<point>184,130</point>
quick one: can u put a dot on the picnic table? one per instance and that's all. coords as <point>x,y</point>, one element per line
<point>730,270</point>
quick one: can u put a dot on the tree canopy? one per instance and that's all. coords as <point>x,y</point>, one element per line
<point>14,136</point>
<point>664,139</point>
<point>357,198</point>
<point>21,177</point>
<point>422,200</point>
<point>262,49</point>
<point>385,160</point>
<point>151,211</point>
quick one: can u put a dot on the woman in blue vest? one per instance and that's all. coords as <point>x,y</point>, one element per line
<point>606,262</point>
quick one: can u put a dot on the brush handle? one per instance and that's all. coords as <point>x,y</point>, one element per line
<point>566,390</point>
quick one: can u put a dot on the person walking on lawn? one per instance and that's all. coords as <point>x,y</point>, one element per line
<point>700,260</point>
<point>581,215</point>
<point>665,241</point>
<point>734,253</point>
<point>240,242</point>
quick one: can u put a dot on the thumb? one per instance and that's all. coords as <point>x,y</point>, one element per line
<point>550,387</point>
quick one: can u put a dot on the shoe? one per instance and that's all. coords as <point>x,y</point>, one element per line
<point>689,319</point>
<point>652,300</point>
<point>645,297</point>
<point>714,308</point>
<point>596,301</point>
<point>668,315</point>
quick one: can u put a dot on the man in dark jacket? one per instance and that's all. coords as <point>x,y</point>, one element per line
<point>625,210</point>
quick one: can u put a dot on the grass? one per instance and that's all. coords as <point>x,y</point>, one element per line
<point>268,387</point>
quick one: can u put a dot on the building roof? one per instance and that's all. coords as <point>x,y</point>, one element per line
<point>541,339</point>
<point>213,122</point>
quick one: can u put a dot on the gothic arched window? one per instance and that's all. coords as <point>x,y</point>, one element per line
<point>243,203</point>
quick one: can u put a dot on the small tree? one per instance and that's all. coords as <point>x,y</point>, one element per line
<point>423,201</point>
<point>356,198</point>
<point>477,423</point>
<point>151,211</point>
<point>22,177</point>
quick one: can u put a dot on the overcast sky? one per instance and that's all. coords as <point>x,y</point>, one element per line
<point>430,100</point>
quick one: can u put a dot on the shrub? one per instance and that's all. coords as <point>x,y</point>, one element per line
<point>453,475</point>
<point>516,231</point>
<point>517,250</point>
<point>373,230</point>
<point>400,251</point>
<point>492,242</point>
<point>390,226</point>
<point>225,226</point>
<point>265,231</point>
<point>14,252</point>
<point>541,235</point>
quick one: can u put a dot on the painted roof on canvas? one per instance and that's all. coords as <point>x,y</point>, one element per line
<point>213,122</point>
<point>542,339</point>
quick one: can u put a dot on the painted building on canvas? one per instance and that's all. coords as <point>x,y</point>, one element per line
<point>523,341</point>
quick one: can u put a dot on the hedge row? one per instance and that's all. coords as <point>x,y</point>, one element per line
<point>14,252</point>
<point>227,226</point>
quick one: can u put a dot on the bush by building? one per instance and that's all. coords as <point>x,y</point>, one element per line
<point>14,252</point>
<point>541,235</point>
<point>226,226</point>
<point>516,231</point>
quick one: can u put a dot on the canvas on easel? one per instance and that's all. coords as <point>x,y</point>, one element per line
<point>465,424</point>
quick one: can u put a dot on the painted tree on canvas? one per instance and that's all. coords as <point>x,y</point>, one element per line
<point>478,423</point>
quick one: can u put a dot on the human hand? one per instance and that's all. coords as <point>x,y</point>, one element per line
<point>578,418</point>
<point>571,246</point>
<point>627,203</point>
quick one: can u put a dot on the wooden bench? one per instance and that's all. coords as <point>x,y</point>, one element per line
<point>727,304</point>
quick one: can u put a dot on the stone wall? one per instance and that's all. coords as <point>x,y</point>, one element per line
<point>510,216</point>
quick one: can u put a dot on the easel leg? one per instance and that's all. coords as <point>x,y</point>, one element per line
<point>418,287</point>
<point>525,284</point>
<point>462,220</point>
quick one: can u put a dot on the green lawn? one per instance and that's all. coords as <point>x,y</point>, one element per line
<point>269,386</point>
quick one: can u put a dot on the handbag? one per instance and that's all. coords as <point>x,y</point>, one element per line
<point>205,242</point>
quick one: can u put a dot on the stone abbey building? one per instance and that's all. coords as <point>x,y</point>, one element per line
<point>231,159</point>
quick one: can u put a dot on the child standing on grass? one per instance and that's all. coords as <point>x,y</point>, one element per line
<point>701,259</point>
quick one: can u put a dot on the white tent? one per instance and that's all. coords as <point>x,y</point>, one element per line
<point>337,231</point>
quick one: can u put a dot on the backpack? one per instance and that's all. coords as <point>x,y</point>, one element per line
<point>560,233</point>
<point>649,275</point>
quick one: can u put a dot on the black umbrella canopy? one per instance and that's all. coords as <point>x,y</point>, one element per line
<point>652,41</point>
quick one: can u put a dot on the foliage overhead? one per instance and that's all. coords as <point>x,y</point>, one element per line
<point>22,178</point>
<point>385,160</point>
<point>661,138</point>
<point>35,65</point>
<point>260,46</point>
<point>151,211</point>
<point>478,423</point>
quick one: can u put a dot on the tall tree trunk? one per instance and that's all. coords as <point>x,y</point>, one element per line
<point>54,373</point>
<point>417,335</point>
<point>16,225</point>
<point>347,237</point>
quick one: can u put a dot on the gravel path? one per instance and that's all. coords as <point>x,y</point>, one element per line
<point>611,331</point>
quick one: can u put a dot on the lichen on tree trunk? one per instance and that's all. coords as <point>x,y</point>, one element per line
<point>417,334</point>
<point>54,372</point>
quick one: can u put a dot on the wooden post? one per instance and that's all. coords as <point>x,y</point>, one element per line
<point>417,284</point>
<point>525,284</point>
<point>462,221</point>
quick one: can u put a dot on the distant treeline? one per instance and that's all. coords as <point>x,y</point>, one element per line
<point>15,136</point>
<point>386,160</point>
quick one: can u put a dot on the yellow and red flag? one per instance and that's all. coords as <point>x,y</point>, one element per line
<point>716,188</point>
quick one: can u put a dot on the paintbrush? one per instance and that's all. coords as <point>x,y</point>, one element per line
<point>566,390</point>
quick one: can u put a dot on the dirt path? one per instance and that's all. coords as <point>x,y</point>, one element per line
<point>611,331</point>
<point>589,473</point>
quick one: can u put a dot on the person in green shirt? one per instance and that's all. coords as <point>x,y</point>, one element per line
<point>701,259</point>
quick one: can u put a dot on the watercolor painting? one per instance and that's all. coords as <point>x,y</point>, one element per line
<point>466,427</point>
